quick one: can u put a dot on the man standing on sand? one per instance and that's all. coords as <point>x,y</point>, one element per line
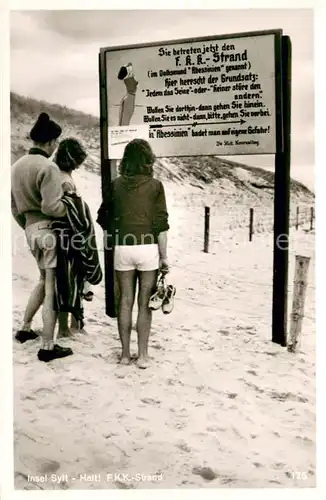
<point>36,191</point>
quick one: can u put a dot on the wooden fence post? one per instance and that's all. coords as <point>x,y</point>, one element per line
<point>298,301</point>
<point>206,234</point>
<point>312,216</point>
<point>297,219</point>
<point>251,223</point>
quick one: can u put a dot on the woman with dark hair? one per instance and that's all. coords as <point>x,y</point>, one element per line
<point>138,220</point>
<point>69,156</point>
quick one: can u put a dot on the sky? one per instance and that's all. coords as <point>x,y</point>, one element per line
<point>54,56</point>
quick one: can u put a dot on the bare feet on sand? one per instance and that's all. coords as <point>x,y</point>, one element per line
<point>78,330</point>
<point>70,332</point>
<point>125,360</point>
<point>143,362</point>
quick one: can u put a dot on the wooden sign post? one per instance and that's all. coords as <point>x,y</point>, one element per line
<point>108,173</point>
<point>251,223</point>
<point>219,95</point>
<point>206,229</point>
<point>282,192</point>
<point>298,302</point>
<point>297,220</point>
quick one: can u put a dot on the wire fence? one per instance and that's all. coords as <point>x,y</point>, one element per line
<point>254,221</point>
<point>227,281</point>
<point>258,220</point>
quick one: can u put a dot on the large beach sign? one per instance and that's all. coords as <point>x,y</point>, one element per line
<point>214,96</point>
<point>198,97</point>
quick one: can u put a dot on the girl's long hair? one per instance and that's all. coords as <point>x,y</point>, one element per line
<point>138,159</point>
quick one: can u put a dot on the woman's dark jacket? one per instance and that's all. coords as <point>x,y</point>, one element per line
<point>134,212</point>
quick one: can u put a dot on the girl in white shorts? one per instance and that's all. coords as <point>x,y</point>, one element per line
<point>139,231</point>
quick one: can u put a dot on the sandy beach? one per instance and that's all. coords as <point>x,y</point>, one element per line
<point>221,405</point>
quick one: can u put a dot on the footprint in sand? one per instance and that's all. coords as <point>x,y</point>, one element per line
<point>255,387</point>
<point>150,401</point>
<point>287,396</point>
<point>206,473</point>
<point>258,465</point>
<point>236,432</point>
<point>157,346</point>
<point>227,480</point>
<point>42,391</point>
<point>97,322</point>
<point>180,425</point>
<point>124,486</point>
<point>183,447</point>
<point>99,355</point>
<point>110,435</point>
<point>208,348</point>
<point>28,397</point>
<point>172,381</point>
<point>216,428</point>
<point>278,465</point>
<point>304,439</point>
<point>49,467</point>
<point>246,328</point>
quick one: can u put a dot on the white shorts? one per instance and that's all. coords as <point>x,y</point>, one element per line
<point>140,257</point>
<point>42,242</point>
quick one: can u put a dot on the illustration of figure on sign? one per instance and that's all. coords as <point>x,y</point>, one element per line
<point>127,105</point>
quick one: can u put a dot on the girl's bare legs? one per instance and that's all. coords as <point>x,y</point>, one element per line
<point>74,324</point>
<point>147,283</point>
<point>87,287</point>
<point>127,284</point>
<point>64,330</point>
